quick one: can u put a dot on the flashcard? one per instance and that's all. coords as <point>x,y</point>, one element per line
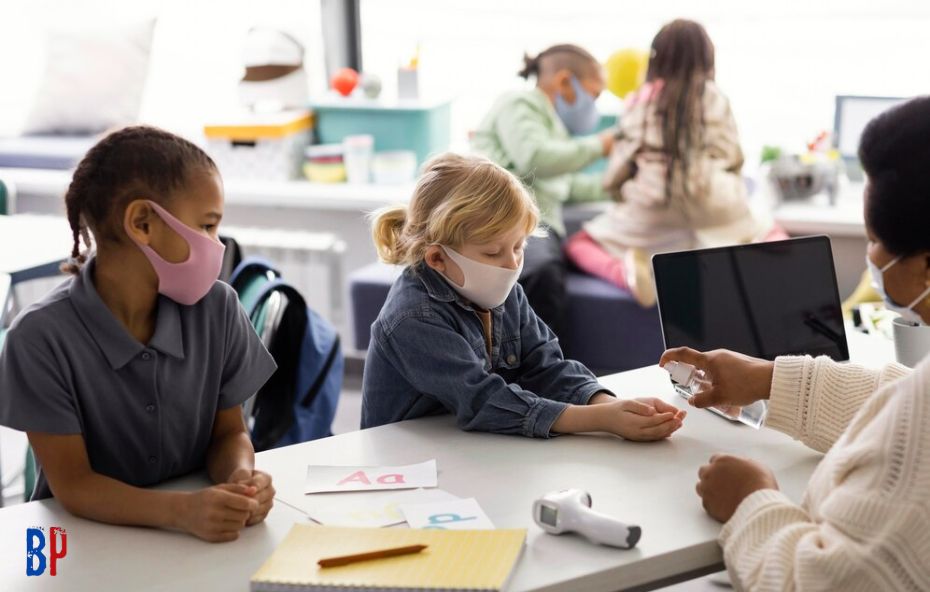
<point>323,478</point>
<point>374,509</point>
<point>458,514</point>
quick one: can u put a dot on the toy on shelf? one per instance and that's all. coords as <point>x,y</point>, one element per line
<point>344,81</point>
<point>274,78</point>
<point>371,85</point>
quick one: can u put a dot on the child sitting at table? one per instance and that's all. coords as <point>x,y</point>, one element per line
<point>457,335</point>
<point>133,371</point>
<point>675,170</point>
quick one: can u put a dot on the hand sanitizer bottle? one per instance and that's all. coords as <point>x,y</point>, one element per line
<point>691,380</point>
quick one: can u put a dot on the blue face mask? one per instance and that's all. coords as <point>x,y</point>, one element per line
<point>878,282</point>
<point>580,117</point>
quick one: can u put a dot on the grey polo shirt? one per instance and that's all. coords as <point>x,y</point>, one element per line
<point>146,411</point>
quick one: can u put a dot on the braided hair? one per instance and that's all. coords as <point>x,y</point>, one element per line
<point>131,163</point>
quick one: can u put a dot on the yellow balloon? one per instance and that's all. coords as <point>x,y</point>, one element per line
<point>626,70</point>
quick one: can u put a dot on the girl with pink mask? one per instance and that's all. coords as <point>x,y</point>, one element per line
<point>133,370</point>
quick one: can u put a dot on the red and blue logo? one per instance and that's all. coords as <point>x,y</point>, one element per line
<point>35,549</point>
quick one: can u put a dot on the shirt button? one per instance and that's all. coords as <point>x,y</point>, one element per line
<point>150,408</point>
<point>511,359</point>
<point>146,356</point>
<point>153,460</point>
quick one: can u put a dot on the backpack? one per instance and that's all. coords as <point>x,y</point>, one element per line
<point>298,403</point>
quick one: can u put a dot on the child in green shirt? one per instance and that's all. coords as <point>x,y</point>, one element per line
<point>541,135</point>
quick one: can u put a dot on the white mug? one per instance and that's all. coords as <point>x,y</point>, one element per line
<point>911,342</point>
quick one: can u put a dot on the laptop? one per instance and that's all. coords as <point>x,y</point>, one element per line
<point>851,115</point>
<point>764,300</point>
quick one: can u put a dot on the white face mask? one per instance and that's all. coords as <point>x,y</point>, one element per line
<point>485,285</point>
<point>878,282</point>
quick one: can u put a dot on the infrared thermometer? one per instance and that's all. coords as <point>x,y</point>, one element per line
<point>570,510</point>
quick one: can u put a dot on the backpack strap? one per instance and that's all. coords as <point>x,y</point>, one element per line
<point>250,267</point>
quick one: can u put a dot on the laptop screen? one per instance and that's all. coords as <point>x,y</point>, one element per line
<point>764,300</point>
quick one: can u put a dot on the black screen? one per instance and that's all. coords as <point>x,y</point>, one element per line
<point>764,300</point>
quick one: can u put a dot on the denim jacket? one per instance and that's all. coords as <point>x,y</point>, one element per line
<point>428,356</point>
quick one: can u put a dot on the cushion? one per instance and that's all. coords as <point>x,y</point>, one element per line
<point>44,152</point>
<point>93,79</point>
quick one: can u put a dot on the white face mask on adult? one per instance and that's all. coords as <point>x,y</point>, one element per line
<point>878,282</point>
<point>485,285</point>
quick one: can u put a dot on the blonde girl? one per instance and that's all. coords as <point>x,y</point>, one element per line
<point>456,334</point>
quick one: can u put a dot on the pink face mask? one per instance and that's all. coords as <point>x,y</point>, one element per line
<point>189,281</point>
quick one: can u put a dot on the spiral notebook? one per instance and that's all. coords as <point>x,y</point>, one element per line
<point>455,560</point>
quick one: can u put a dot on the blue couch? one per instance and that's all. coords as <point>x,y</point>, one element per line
<point>608,331</point>
<point>44,152</point>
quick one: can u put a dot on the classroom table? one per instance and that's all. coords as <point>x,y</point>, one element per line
<point>33,246</point>
<point>650,484</point>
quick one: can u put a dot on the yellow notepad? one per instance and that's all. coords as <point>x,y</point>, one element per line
<point>454,560</point>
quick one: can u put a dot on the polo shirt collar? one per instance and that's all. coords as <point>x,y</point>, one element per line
<point>116,343</point>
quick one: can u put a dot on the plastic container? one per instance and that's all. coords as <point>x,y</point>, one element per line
<point>691,380</point>
<point>325,163</point>
<point>358,156</point>
<point>421,127</point>
<point>267,146</point>
<point>394,167</point>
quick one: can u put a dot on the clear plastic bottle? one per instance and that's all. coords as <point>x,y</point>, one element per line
<point>691,381</point>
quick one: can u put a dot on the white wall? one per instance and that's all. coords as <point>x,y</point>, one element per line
<point>196,53</point>
<point>781,63</point>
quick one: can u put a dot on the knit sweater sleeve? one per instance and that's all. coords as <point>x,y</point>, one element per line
<point>866,517</point>
<point>814,399</point>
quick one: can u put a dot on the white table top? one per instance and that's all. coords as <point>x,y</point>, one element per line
<point>651,484</point>
<point>102,557</point>
<point>33,246</point>
<point>817,216</point>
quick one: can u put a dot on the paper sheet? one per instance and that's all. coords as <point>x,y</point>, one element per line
<point>457,514</point>
<point>323,478</point>
<point>374,509</point>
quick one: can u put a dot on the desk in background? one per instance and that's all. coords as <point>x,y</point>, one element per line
<point>33,246</point>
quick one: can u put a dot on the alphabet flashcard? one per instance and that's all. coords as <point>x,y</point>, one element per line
<point>326,478</point>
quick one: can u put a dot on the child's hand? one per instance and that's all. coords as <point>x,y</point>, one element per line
<point>642,419</point>
<point>217,514</point>
<point>264,491</point>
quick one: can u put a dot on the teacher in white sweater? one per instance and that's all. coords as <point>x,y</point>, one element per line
<point>864,521</point>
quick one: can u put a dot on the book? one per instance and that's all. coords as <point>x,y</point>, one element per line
<point>454,560</point>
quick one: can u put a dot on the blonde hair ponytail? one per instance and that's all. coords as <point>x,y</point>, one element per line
<point>457,199</point>
<point>387,224</point>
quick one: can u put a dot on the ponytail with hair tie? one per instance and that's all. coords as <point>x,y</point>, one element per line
<point>530,66</point>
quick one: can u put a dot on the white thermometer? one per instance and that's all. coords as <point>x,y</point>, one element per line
<point>570,510</point>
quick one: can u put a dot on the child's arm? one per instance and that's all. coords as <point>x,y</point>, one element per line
<point>634,419</point>
<point>587,187</point>
<point>231,459</point>
<point>214,514</point>
<point>532,148</point>
<point>230,448</point>
<point>455,375</point>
